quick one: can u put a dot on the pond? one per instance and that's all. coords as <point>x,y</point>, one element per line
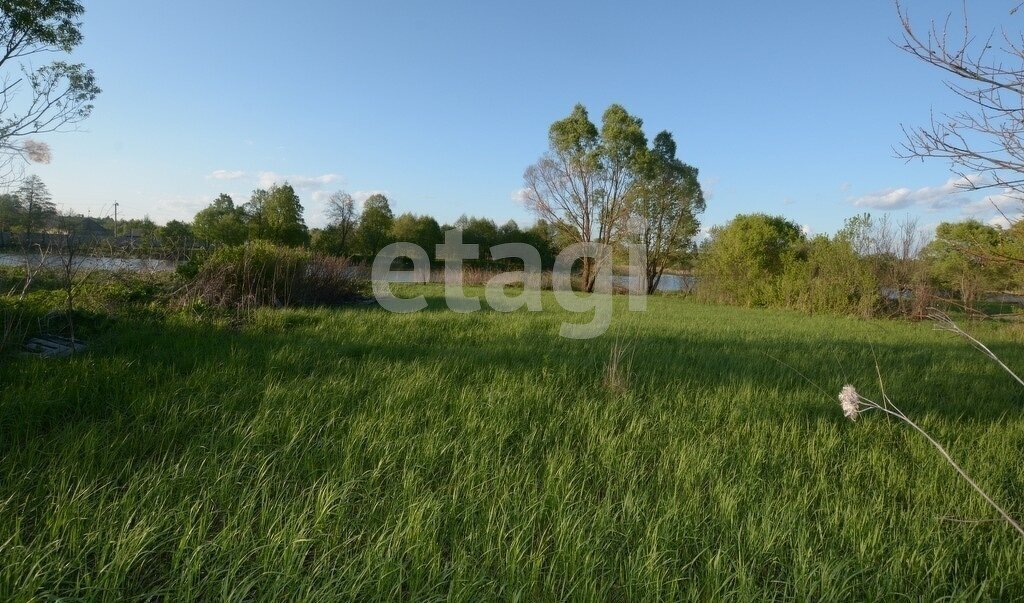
<point>670,283</point>
<point>90,262</point>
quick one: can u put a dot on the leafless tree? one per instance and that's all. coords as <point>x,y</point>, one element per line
<point>983,143</point>
<point>14,324</point>
<point>71,268</point>
<point>893,249</point>
<point>341,211</point>
<point>32,268</point>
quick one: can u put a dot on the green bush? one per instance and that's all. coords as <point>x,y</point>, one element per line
<point>760,260</point>
<point>260,274</point>
<point>742,262</point>
<point>828,276</point>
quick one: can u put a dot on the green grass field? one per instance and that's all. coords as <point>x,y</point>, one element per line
<point>354,454</point>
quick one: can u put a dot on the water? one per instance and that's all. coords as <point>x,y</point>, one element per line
<point>91,263</point>
<point>670,283</point>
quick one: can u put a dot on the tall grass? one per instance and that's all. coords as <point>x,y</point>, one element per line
<point>259,274</point>
<point>353,454</point>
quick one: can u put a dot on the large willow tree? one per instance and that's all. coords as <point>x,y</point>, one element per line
<point>582,182</point>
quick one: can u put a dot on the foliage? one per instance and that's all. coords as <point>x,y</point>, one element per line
<point>664,203</point>
<point>176,233</point>
<point>582,182</point>
<point>419,230</point>
<point>260,273</point>
<point>37,204</point>
<point>221,222</point>
<point>375,225</point>
<point>827,275</point>
<point>742,262</point>
<point>760,260</point>
<point>40,306</point>
<point>892,250</point>
<point>39,98</point>
<point>542,236</point>
<point>275,215</point>
<point>11,212</point>
<point>251,275</point>
<point>961,259</point>
<point>328,241</point>
<point>336,239</point>
<point>481,231</point>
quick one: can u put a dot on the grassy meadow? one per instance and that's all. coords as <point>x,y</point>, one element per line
<point>354,454</point>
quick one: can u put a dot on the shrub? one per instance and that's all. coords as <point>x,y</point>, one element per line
<point>967,257</point>
<point>742,262</point>
<point>329,281</point>
<point>263,274</point>
<point>828,276</point>
<point>760,260</point>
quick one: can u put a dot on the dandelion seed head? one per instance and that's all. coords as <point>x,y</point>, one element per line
<point>849,400</point>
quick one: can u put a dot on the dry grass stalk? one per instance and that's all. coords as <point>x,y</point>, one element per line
<point>854,404</point>
<point>944,323</point>
<point>616,373</point>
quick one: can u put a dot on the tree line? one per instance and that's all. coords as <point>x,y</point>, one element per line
<point>352,231</point>
<point>871,265</point>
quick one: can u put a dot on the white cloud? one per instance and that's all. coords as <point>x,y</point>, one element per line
<point>360,197</point>
<point>807,230</point>
<point>519,196</point>
<point>951,193</point>
<point>708,185</point>
<point>162,210</point>
<point>268,179</point>
<point>1002,202</point>
<point>226,174</point>
<point>1004,221</point>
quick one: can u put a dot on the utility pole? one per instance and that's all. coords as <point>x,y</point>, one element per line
<point>115,218</point>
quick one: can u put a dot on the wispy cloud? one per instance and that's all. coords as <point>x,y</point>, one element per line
<point>177,207</point>
<point>267,179</point>
<point>1003,202</point>
<point>949,194</point>
<point>709,184</point>
<point>360,197</point>
<point>226,174</point>
<point>1006,220</point>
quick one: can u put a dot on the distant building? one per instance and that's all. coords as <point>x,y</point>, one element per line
<point>91,229</point>
<point>135,237</point>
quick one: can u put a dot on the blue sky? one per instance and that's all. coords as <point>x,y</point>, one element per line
<point>790,107</point>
